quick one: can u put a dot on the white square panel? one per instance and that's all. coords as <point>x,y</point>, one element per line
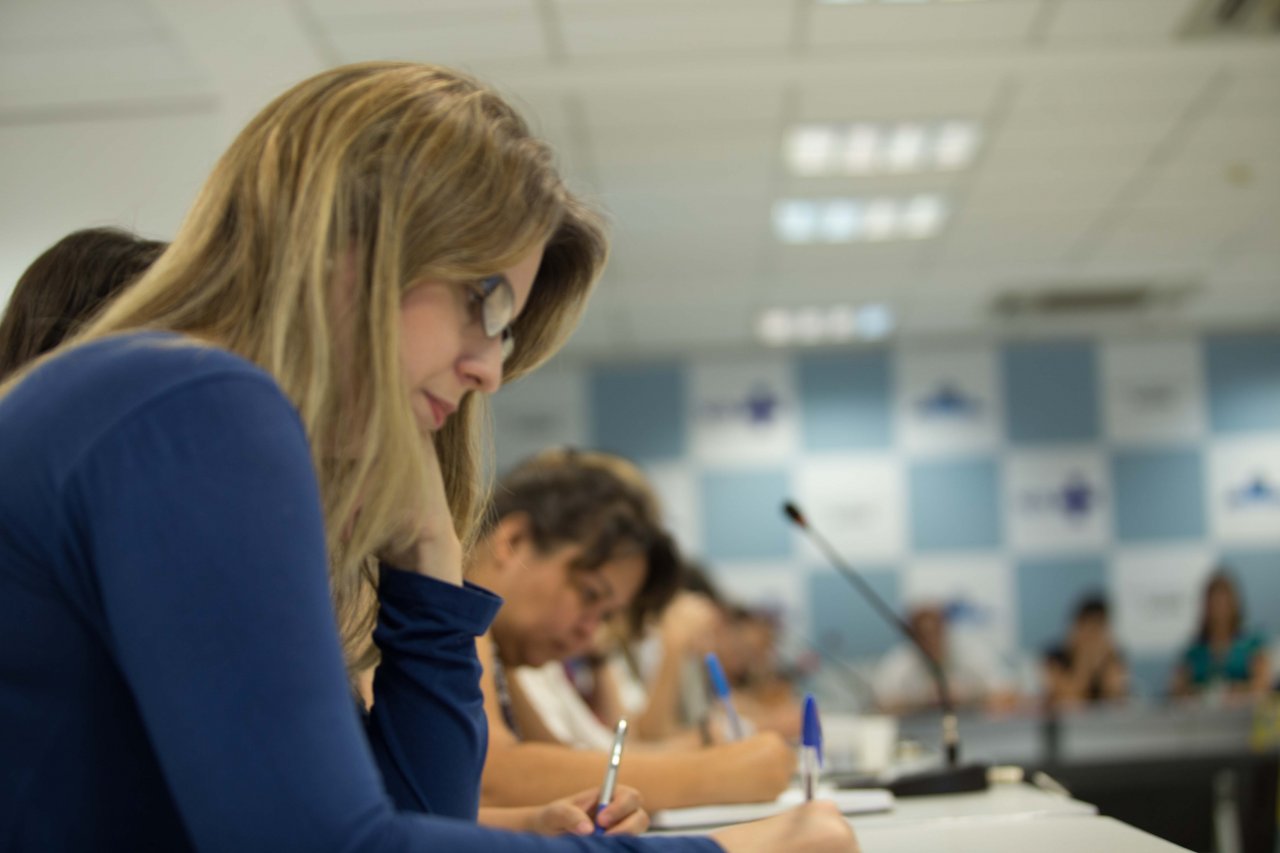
<point>1153,391</point>
<point>677,486</point>
<point>1156,597</point>
<point>1244,491</point>
<point>948,400</point>
<point>977,592</point>
<point>857,501</point>
<point>744,411</point>
<point>545,409</point>
<point>1057,501</point>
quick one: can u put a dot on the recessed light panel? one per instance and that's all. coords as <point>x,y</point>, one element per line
<point>853,220</point>
<point>884,148</point>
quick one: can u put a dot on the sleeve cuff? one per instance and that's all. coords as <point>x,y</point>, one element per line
<point>469,607</point>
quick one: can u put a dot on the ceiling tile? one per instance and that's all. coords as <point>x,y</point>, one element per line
<point>882,26</point>
<point>702,29</point>
<point>1113,20</point>
<point>474,40</point>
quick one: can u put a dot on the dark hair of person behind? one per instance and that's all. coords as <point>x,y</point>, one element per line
<point>584,500</point>
<point>65,287</point>
<point>1221,578</point>
<point>1092,605</point>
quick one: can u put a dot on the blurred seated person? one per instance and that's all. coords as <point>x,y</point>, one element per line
<point>657,675</point>
<point>762,693</point>
<point>575,540</point>
<point>1087,667</point>
<point>904,683</point>
<point>1224,659</point>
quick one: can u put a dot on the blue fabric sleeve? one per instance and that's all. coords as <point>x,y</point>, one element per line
<point>200,516</point>
<point>427,726</point>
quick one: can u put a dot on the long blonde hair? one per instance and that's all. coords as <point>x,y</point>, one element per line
<point>392,173</point>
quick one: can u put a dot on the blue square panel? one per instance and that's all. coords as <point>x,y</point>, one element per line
<point>845,401</point>
<point>955,504</point>
<point>1159,495</point>
<point>1257,574</point>
<point>639,411</point>
<point>845,626</point>
<point>742,515</point>
<point>1243,373</point>
<point>1050,392</point>
<point>1049,591</point>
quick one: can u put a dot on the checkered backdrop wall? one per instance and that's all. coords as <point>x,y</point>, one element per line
<point>1005,480</point>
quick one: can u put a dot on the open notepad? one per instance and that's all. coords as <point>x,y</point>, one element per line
<point>860,801</point>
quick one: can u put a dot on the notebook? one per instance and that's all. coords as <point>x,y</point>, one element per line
<point>860,801</point>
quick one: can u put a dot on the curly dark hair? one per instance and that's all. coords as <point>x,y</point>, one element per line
<point>600,503</point>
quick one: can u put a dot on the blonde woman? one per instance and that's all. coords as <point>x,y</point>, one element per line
<point>294,386</point>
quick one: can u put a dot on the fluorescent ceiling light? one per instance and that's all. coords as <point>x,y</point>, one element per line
<point>874,321</point>
<point>849,220</point>
<point>810,325</point>
<point>774,327</point>
<point>796,221</point>
<point>816,149</point>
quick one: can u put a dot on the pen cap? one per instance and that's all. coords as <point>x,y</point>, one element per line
<point>812,732</point>
<point>716,671</point>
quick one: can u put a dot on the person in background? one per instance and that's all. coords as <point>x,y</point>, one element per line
<point>575,540</point>
<point>657,669</point>
<point>748,650</point>
<point>1225,658</point>
<point>903,681</point>
<point>292,387</point>
<point>1087,667</point>
<point>65,287</point>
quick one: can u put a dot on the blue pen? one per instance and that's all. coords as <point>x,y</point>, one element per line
<point>611,774</point>
<point>811,746</point>
<point>721,685</point>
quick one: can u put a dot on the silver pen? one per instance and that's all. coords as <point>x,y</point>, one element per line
<point>611,774</point>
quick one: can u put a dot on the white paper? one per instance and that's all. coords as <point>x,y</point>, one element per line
<point>857,801</point>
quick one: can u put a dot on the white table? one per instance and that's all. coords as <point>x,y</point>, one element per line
<point>999,803</point>
<point>1044,834</point>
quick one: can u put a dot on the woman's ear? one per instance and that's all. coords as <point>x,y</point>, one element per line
<point>511,538</point>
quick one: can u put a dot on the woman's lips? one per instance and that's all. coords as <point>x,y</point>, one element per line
<point>440,410</point>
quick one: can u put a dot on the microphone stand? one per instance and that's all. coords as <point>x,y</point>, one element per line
<point>953,777</point>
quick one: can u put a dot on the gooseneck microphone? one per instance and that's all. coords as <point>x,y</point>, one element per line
<point>954,778</point>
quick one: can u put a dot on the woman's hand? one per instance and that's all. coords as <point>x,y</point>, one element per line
<point>816,827</point>
<point>690,624</point>
<point>436,550</point>
<point>571,815</point>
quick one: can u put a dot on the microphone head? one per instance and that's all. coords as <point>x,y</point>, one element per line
<point>793,512</point>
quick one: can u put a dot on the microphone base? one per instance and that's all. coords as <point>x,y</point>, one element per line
<point>963,779</point>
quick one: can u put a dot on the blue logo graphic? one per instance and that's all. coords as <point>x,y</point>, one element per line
<point>1075,498</point>
<point>760,407</point>
<point>1256,492</point>
<point>949,401</point>
<point>962,611</point>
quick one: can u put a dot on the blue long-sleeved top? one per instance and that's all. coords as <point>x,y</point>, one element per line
<point>170,671</point>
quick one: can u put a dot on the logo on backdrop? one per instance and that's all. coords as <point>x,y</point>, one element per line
<point>1258,491</point>
<point>949,402</point>
<point>962,611</point>
<point>759,408</point>
<point>1075,498</point>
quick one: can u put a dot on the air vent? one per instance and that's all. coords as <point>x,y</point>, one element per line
<point>1213,18</point>
<point>1090,301</point>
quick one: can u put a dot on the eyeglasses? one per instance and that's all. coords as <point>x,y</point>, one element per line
<point>494,304</point>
